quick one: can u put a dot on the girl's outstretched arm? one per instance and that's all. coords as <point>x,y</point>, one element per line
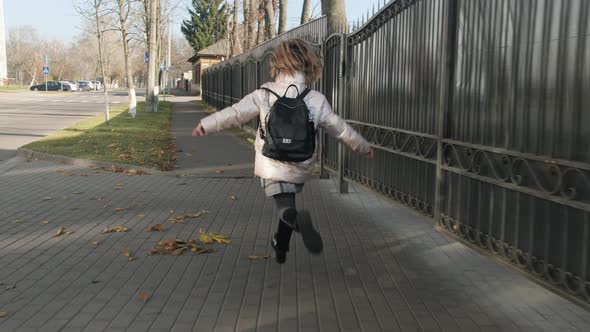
<point>336,127</point>
<point>236,115</point>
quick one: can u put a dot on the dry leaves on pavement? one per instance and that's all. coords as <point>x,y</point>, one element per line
<point>115,229</point>
<point>3,314</point>
<point>212,237</point>
<point>179,219</point>
<point>61,231</point>
<point>156,228</point>
<point>176,247</point>
<point>259,257</point>
<point>127,253</point>
<point>233,198</point>
<point>143,296</point>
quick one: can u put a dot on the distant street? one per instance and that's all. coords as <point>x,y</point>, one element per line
<point>28,116</point>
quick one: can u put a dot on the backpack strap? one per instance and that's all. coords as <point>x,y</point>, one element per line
<point>303,94</point>
<point>269,90</point>
<point>289,87</point>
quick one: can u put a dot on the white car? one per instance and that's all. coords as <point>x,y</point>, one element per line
<point>97,85</point>
<point>72,84</point>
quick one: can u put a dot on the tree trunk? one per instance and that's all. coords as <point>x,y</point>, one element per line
<point>336,12</point>
<point>253,15</point>
<point>101,59</point>
<point>234,38</point>
<point>269,19</point>
<point>305,12</point>
<point>283,7</point>
<point>128,72</point>
<point>246,24</point>
<point>151,32</point>
<point>261,14</point>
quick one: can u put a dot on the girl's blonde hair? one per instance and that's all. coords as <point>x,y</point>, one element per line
<point>295,55</point>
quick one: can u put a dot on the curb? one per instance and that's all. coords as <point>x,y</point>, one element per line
<point>84,163</point>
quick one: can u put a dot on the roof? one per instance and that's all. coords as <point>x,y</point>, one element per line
<point>220,48</point>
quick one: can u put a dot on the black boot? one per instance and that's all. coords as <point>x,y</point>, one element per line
<point>289,216</point>
<point>280,253</point>
<point>311,238</point>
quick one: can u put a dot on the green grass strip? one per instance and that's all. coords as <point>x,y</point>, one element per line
<point>144,140</point>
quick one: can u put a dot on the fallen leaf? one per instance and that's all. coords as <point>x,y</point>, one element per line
<point>127,253</point>
<point>115,229</point>
<point>84,174</point>
<point>120,209</point>
<point>61,231</point>
<point>171,211</point>
<point>233,198</point>
<point>18,221</point>
<point>140,215</point>
<point>47,198</point>
<point>155,228</point>
<point>212,237</point>
<point>257,257</point>
<point>3,314</point>
<point>45,222</point>
<point>96,243</point>
<point>67,174</point>
<point>176,247</point>
<point>219,171</point>
<point>77,192</point>
<point>143,296</point>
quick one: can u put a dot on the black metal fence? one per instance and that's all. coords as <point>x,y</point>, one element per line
<point>476,109</point>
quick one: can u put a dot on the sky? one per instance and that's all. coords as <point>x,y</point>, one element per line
<point>57,19</point>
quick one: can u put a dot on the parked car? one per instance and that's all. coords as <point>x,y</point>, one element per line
<point>97,85</point>
<point>51,86</point>
<point>73,85</point>
<point>84,86</point>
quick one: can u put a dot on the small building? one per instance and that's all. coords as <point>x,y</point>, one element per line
<point>205,58</point>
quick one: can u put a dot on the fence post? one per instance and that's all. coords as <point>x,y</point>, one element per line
<point>324,174</point>
<point>446,98</point>
<point>342,106</point>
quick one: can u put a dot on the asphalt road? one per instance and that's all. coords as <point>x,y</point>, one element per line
<point>27,116</point>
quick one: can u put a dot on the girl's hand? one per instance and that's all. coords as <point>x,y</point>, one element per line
<point>371,154</point>
<point>199,130</point>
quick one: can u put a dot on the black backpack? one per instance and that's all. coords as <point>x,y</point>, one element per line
<point>290,131</point>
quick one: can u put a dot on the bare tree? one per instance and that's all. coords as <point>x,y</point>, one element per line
<point>283,7</point>
<point>94,11</point>
<point>152,24</point>
<point>23,53</point>
<point>247,17</point>
<point>234,37</point>
<point>336,12</point>
<point>123,11</point>
<point>260,13</point>
<point>269,19</point>
<point>305,12</point>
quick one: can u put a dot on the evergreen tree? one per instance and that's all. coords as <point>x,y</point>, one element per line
<point>207,23</point>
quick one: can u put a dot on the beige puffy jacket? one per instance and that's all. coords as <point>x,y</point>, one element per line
<point>258,103</point>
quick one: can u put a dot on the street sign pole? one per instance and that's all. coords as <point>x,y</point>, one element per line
<point>46,65</point>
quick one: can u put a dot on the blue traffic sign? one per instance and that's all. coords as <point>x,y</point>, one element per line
<point>45,70</point>
<point>147,57</point>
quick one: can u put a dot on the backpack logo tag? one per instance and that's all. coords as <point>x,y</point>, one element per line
<point>287,140</point>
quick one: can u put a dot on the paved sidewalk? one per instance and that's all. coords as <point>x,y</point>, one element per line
<point>222,154</point>
<point>383,269</point>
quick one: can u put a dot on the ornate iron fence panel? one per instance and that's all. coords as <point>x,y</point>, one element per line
<point>394,75</point>
<point>477,112</point>
<point>516,158</point>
